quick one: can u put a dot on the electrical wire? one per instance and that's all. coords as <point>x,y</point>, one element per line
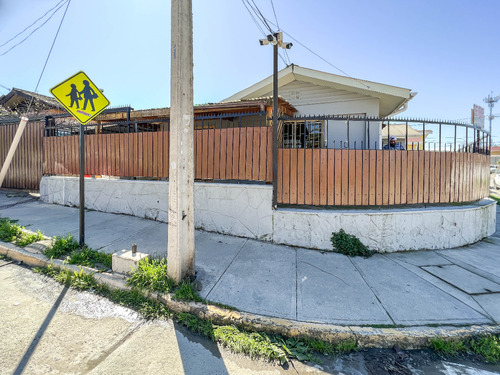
<point>6,88</point>
<point>27,27</point>
<point>253,18</point>
<point>276,18</point>
<point>22,41</point>
<point>264,20</point>
<point>50,51</point>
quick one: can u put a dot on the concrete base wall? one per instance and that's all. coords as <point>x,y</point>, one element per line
<point>245,210</point>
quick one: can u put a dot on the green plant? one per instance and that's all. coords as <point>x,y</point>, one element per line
<point>62,246</point>
<point>201,326</point>
<point>496,199</point>
<point>24,239</point>
<point>348,244</point>
<point>253,344</point>
<point>90,258</point>
<point>12,232</point>
<point>488,347</point>
<point>186,292</point>
<point>447,347</point>
<point>151,276</point>
<point>8,229</point>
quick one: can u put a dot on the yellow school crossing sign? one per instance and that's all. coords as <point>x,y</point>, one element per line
<point>80,97</point>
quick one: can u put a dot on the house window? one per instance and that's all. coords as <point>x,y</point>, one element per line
<point>303,134</point>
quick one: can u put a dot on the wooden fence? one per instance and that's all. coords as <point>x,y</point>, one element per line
<point>220,154</point>
<point>25,171</point>
<point>332,177</point>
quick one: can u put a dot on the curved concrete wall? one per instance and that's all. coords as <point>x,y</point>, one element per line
<point>245,210</point>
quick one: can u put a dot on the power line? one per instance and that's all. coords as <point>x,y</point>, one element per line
<point>50,51</point>
<point>258,12</point>
<point>14,46</point>
<point>27,27</point>
<point>6,88</point>
<point>276,18</point>
<point>253,18</point>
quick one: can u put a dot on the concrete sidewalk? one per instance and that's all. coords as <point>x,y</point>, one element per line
<point>446,287</point>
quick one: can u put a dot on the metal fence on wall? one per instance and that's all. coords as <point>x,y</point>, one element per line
<point>226,147</point>
<point>341,161</point>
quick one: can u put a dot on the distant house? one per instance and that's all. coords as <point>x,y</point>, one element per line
<point>313,93</point>
<point>408,136</point>
<point>17,102</point>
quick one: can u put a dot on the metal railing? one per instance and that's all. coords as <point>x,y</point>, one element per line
<point>364,133</point>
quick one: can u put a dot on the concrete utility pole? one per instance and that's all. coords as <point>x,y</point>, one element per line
<point>181,170</point>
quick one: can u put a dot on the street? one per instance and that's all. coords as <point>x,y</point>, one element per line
<point>49,329</point>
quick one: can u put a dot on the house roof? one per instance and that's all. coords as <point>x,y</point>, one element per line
<point>18,98</point>
<point>393,99</point>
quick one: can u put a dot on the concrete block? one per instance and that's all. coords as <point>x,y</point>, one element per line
<point>124,261</point>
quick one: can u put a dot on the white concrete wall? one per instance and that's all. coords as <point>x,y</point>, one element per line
<point>241,210</point>
<point>245,210</point>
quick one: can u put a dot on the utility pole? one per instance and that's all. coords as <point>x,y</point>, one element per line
<point>181,169</point>
<point>490,100</point>
<point>276,39</point>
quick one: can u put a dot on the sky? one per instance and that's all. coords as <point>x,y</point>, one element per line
<point>445,50</point>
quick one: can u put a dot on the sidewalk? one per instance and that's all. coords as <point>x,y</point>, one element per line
<point>444,287</point>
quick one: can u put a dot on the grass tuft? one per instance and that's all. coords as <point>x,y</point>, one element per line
<point>62,246</point>
<point>12,232</point>
<point>151,276</point>
<point>488,347</point>
<point>185,291</point>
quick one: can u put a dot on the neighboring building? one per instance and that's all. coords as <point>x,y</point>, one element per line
<point>313,92</point>
<point>495,155</point>
<point>17,102</point>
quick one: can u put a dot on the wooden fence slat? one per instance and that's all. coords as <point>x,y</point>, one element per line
<point>248,134</point>
<point>308,191</point>
<point>421,166</point>
<point>331,177</point>
<point>293,177</point>
<point>409,177</point>
<point>285,176</point>
<point>279,193</point>
<point>397,178</point>
<point>385,177</point>
<point>351,181</point>
<point>391,166</point>
<point>338,177</point>
<point>323,176</point>
<point>301,176</point>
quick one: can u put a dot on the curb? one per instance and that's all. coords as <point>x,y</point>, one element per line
<point>365,337</point>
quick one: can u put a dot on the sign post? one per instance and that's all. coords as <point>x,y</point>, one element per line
<point>79,87</point>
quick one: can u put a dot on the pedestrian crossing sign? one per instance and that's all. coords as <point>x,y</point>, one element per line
<point>80,97</point>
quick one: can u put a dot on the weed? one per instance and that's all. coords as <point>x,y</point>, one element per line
<point>24,239</point>
<point>487,347</point>
<point>62,246</point>
<point>12,232</point>
<point>348,244</point>
<point>201,326</point>
<point>186,292</point>
<point>8,229</point>
<point>151,276</point>
<point>447,347</point>
<point>90,258</point>
<point>253,344</point>
<point>495,198</point>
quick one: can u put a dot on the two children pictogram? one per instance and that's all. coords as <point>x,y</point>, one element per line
<point>88,95</point>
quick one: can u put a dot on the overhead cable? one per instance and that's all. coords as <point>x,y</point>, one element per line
<point>27,27</point>
<point>15,45</point>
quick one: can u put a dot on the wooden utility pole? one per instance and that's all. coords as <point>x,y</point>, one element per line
<point>181,169</point>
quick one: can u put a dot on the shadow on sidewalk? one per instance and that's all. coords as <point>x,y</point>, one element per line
<point>31,349</point>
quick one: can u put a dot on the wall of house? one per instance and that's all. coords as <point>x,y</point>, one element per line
<point>310,100</point>
<point>245,210</point>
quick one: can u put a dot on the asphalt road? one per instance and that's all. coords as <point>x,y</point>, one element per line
<point>49,329</point>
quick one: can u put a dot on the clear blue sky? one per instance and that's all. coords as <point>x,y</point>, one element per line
<point>446,50</point>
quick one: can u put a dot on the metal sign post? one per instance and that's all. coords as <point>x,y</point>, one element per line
<point>79,87</point>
